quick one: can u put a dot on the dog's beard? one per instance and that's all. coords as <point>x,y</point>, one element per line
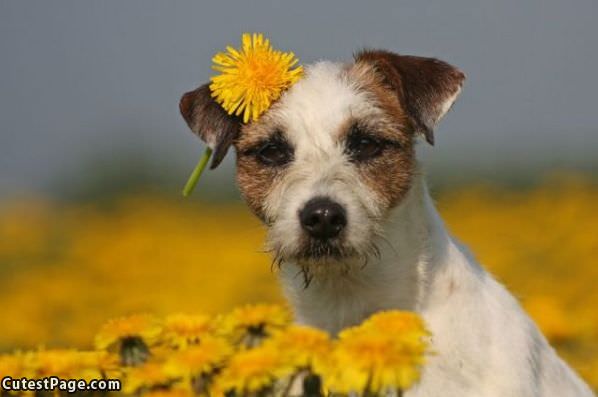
<point>317,250</point>
<point>351,251</point>
<point>316,258</point>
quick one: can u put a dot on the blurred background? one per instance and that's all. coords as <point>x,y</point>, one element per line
<point>93,154</point>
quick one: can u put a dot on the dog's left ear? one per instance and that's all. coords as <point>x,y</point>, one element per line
<point>206,118</point>
<point>426,87</point>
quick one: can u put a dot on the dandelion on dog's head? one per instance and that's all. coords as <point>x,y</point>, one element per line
<point>181,330</point>
<point>252,78</point>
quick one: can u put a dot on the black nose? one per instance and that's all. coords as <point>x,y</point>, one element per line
<point>322,218</point>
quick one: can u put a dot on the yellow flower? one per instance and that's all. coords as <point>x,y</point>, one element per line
<point>12,365</point>
<point>395,322</point>
<point>181,330</point>
<point>198,359</point>
<point>253,370</point>
<point>146,376</point>
<point>171,392</point>
<point>251,323</point>
<point>30,229</point>
<point>253,77</point>
<point>64,363</point>
<point>368,359</point>
<point>142,326</point>
<point>303,346</point>
<point>107,364</point>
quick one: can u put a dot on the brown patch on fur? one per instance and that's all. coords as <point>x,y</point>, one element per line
<point>423,85</point>
<point>206,118</point>
<point>256,132</point>
<point>390,174</point>
<point>255,180</point>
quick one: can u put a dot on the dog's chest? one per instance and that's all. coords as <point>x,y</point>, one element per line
<point>339,302</point>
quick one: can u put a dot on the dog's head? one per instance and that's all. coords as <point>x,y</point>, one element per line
<point>335,153</point>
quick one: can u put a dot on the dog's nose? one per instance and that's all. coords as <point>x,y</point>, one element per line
<point>322,218</point>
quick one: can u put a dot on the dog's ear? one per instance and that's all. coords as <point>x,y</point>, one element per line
<point>209,121</point>
<point>426,87</point>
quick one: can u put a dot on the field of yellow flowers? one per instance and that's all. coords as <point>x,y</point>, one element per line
<point>66,269</point>
<point>253,351</point>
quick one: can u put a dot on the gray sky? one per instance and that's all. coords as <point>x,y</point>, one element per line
<point>86,82</point>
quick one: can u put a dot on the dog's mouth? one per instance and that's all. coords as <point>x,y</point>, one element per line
<point>311,252</point>
<point>326,253</point>
<point>318,250</point>
<point>330,258</point>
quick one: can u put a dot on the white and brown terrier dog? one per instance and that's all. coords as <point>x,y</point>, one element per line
<point>330,169</point>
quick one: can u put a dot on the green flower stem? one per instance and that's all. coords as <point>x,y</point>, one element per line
<point>194,177</point>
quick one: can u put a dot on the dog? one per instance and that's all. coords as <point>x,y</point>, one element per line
<point>330,169</point>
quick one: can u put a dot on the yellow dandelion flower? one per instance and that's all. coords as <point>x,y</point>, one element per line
<point>251,323</point>
<point>171,392</point>
<point>142,326</point>
<point>394,322</point>
<point>253,370</point>
<point>13,365</point>
<point>64,363</point>
<point>146,376</point>
<point>107,363</point>
<point>253,77</point>
<point>304,346</point>
<point>198,359</point>
<point>181,330</point>
<point>371,360</point>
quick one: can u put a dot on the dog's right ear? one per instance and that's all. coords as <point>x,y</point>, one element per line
<point>206,118</point>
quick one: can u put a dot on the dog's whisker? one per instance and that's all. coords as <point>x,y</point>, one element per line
<point>279,261</point>
<point>276,262</point>
<point>307,280</point>
<point>384,239</point>
<point>365,262</point>
<point>307,277</point>
<point>377,252</point>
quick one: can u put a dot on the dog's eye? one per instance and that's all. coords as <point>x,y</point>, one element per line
<point>362,147</point>
<point>274,153</point>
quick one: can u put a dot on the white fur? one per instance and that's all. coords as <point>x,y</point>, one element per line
<point>484,344</point>
<point>446,105</point>
<point>319,103</point>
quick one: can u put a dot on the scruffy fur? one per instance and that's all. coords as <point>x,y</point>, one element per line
<point>395,252</point>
